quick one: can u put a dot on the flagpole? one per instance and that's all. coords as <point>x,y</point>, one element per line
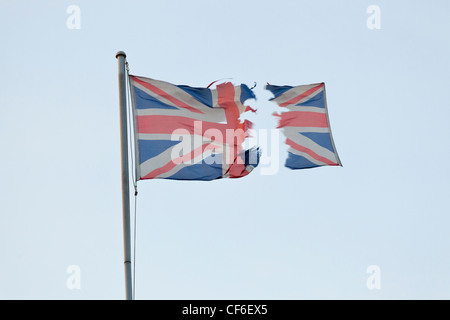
<point>120,55</point>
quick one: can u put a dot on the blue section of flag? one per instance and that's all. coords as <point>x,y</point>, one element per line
<point>277,90</point>
<point>201,94</point>
<point>294,161</point>
<point>204,171</point>
<point>146,101</point>
<point>321,138</point>
<point>246,93</point>
<point>151,148</point>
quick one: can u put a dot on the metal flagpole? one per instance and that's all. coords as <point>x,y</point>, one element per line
<point>120,55</point>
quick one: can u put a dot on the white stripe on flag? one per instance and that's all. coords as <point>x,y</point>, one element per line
<point>305,109</point>
<point>291,130</point>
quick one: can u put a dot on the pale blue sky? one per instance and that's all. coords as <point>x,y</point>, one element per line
<point>304,234</point>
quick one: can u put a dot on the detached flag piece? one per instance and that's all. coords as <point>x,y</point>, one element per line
<point>187,133</point>
<point>306,125</point>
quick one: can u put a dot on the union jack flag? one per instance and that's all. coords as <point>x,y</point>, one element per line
<point>305,125</point>
<point>188,133</point>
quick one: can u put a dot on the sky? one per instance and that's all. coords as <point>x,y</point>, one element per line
<point>376,228</point>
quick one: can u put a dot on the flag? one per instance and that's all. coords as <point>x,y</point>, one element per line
<point>189,133</point>
<point>305,125</point>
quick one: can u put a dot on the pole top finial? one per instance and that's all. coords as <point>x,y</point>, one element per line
<point>121,53</point>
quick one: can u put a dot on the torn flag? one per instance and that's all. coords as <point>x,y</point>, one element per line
<point>305,125</point>
<point>188,133</point>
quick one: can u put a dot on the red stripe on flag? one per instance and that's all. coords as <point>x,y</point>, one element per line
<point>166,95</point>
<point>300,148</point>
<point>301,96</point>
<point>168,124</point>
<point>225,99</point>
<point>302,119</point>
<point>238,170</point>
